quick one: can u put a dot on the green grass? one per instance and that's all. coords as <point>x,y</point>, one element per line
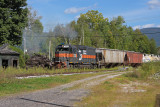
<point>10,73</point>
<point>110,94</point>
<point>39,71</point>
<point>24,85</point>
<point>12,85</point>
<point>145,71</point>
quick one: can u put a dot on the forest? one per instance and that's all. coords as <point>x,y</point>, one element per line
<point>92,29</point>
<point>21,26</point>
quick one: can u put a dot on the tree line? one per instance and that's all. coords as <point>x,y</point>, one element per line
<point>92,29</point>
<point>19,23</point>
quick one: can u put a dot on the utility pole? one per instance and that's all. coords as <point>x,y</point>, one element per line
<point>83,34</point>
<point>24,45</point>
<point>49,49</point>
<point>24,39</point>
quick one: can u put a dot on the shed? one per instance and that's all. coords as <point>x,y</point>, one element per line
<point>8,57</point>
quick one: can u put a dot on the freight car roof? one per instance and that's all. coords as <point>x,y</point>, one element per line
<point>135,52</point>
<point>116,50</point>
<point>110,49</point>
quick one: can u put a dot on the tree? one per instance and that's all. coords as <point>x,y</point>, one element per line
<point>92,24</point>
<point>65,33</point>
<point>153,46</point>
<point>31,32</point>
<point>13,19</point>
<point>158,50</point>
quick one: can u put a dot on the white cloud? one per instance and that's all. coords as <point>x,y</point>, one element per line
<point>74,10</point>
<point>145,26</point>
<point>137,27</point>
<point>38,1</point>
<point>154,4</point>
<point>77,17</point>
<point>148,25</point>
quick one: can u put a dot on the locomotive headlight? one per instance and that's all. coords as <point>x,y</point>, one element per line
<point>66,46</point>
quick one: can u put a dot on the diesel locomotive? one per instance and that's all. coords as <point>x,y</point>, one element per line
<point>74,56</point>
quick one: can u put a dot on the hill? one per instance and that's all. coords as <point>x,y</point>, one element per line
<point>154,33</point>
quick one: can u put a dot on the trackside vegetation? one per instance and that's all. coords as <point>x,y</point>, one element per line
<point>145,71</point>
<point>135,89</point>
<point>10,85</point>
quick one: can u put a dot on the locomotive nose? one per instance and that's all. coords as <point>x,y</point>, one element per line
<point>57,58</point>
<point>60,56</point>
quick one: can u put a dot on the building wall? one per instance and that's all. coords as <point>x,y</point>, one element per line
<point>10,59</point>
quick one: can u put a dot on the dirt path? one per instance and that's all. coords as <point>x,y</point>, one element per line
<point>58,96</point>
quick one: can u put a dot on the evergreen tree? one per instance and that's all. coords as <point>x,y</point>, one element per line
<point>13,19</point>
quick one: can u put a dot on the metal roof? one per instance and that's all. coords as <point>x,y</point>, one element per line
<point>4,50</point>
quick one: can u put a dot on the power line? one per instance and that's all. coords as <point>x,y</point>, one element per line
<point>99,36</point>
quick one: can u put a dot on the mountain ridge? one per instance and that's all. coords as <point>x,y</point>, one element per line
<point>154,33</point>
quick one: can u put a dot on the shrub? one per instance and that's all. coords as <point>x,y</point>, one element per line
<point>22,57</point>
<point>146,70</point>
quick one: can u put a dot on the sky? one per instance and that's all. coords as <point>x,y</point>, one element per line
<point>137,13</point>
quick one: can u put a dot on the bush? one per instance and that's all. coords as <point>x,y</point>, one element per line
<point>22,57</point>
<point>146,70</point>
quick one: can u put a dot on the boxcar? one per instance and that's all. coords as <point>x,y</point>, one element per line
<point>133,58</point>
<point>110,57</point>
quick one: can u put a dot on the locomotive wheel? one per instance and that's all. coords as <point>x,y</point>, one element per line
<point>58,66</point>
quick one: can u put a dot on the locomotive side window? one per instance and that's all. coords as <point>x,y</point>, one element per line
<point>74,50</point>
<point>62,49</point>
<point>70,50</point>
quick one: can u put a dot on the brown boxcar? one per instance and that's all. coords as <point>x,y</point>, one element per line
<point>133,58</point>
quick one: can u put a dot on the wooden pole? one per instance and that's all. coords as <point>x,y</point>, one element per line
<point>157,100</point>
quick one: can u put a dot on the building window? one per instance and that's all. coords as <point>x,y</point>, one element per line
<point>4,63</point>
<point>15,63</point>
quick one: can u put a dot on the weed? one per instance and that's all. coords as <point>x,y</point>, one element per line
<point>144,71</point>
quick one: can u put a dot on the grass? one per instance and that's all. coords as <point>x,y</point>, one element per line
<point>112,92</point>
<point>145,71</point>
<point>14,72</point>
<point>10,85</point>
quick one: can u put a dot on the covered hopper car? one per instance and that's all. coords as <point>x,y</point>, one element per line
<point>110,57</point>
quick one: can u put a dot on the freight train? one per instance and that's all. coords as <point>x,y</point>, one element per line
<point>76,56</point>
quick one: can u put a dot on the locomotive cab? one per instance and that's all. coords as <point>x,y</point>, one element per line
<point>65,56</point>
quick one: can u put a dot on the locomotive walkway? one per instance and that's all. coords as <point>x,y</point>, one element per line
<point>60,96</point>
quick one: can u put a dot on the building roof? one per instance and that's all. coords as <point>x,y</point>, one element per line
<point>5,50</point>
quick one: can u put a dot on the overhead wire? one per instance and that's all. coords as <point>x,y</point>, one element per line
<point>99,36</point>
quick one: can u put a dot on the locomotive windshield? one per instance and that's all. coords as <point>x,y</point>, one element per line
<point>62,49</point>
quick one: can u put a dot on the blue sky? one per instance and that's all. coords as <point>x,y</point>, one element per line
<point>137,13</point>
